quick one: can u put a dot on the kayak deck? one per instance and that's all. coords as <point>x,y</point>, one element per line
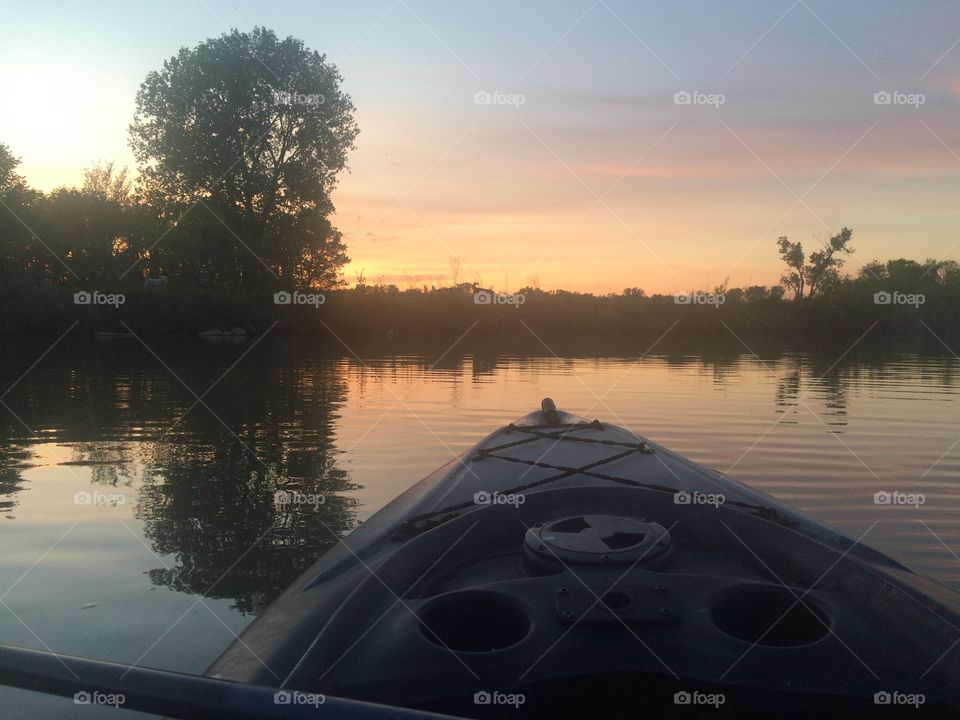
<point>560,557</point>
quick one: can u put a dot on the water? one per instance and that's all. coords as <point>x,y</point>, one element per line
<point>137,485</point>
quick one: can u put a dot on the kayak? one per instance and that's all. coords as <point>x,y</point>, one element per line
<point>566,568</point>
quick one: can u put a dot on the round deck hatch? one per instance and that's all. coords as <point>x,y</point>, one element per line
<point>598,539</point>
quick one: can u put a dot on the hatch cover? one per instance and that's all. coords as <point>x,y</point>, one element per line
<point>598,539</point>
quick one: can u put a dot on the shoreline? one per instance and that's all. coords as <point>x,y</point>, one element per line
<point>388,315</point>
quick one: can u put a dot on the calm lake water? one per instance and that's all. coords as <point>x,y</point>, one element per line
<point>137,484</point>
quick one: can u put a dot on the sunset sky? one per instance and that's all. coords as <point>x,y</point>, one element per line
<point>599,180</point>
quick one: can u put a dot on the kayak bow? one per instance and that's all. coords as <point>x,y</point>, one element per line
<point>566,567</point>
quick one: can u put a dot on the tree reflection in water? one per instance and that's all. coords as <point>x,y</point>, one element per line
<point>209,471</point>
<point>209,496</point>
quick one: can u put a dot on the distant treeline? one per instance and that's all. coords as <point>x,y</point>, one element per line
<point>898,297</point>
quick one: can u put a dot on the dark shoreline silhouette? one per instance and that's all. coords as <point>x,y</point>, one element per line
<point>387,314</point>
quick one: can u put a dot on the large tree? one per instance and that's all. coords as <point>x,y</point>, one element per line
<point>8,170</point>
<point>807,277</point>
<point>254,130</point>
<point>22,254</point>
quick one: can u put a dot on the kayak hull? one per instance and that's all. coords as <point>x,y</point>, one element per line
<point>559,550</point>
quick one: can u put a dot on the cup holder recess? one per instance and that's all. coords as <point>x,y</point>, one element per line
<point>474,621</point>
<point>747,613</point>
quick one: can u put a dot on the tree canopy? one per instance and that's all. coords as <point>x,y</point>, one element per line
<point>8,170</point>
<point>806,277</point>
<point>255,129</point>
